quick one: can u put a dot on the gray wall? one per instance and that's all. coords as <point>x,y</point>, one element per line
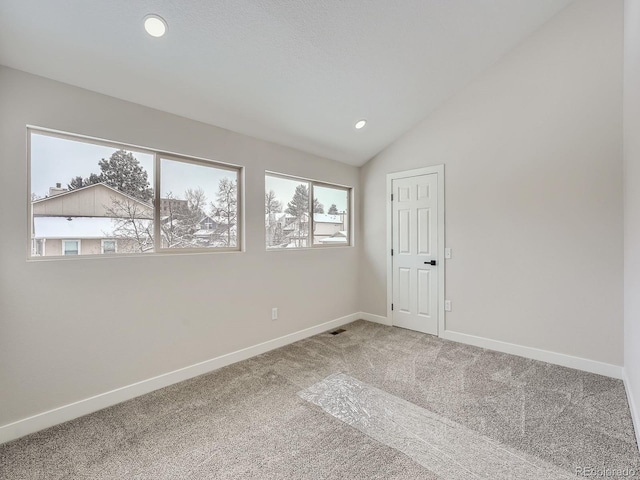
<point>76,328</point>
<point>632,203</point>
<point>533,159</point>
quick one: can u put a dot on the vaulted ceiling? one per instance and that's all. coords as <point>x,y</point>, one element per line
<point>295,72</point>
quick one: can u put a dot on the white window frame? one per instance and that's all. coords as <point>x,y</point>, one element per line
<point>154,181</point>
<point>115,245</point>
<point>64,241</point>
<point>316,183</point>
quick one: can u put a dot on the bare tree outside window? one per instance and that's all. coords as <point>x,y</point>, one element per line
<point>132,224</point>
<point>273,228</point>
<point>226,211</point>
<point>198,205</point>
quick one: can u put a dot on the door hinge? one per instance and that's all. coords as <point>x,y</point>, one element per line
<point>392,307</point>
<point>392,197</point>
<point>392,252</point>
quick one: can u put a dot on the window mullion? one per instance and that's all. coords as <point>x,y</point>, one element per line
<point>157,238</point>
<point>311,219</point>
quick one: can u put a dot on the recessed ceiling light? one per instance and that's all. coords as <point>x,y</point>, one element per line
<point>155,25</point>
<point>360,124</point>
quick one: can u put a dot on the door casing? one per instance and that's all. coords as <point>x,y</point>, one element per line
<point>439,170</point>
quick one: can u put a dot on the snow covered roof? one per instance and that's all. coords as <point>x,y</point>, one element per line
<point>206,217</point>
<point>338,237</point>
<point>219,229</point>
<point>326,218</point>
<point>74,227</point>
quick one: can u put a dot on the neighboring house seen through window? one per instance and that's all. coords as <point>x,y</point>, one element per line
<point>92,197</point>
<point>303,213</point>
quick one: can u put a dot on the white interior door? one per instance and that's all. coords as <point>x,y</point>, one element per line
<point>415,253</point>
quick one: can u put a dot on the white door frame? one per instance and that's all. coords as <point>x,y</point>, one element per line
<point>439,170</point>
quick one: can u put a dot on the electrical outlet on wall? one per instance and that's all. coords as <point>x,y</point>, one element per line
<point>447,305</point>
<point>274,314</point>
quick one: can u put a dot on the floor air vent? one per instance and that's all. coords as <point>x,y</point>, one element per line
<point>336,332</point>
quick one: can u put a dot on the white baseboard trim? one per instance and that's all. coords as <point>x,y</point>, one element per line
<point>77,409</point>
<point>561,359</point>
<point>370,317</point>
<point>633,406</point>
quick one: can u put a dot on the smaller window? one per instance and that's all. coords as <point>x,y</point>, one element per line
<point>109,246</point>
<point>302,213</point>
<point>70,247</point>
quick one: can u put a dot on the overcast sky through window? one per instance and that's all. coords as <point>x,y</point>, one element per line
<point>284,189</point>
<point>177,177</point>
<point>58,160</point>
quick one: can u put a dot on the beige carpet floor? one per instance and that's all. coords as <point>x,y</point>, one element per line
<point>249,421</point>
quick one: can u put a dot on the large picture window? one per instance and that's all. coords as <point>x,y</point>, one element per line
<point>303,213</point>
<point>89,197</point>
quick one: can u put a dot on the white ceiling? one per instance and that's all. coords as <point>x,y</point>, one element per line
<point>295,72</point>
